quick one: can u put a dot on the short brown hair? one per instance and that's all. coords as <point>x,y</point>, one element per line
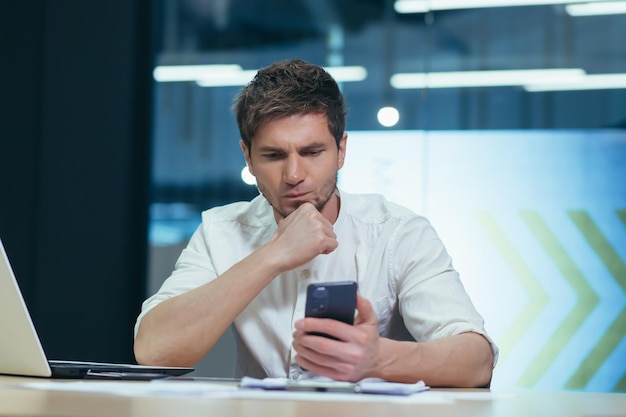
<point>287,88</point>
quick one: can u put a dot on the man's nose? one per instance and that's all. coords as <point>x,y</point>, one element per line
<point>294,172</point>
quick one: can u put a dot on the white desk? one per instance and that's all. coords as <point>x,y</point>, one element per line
<point>16,400</point>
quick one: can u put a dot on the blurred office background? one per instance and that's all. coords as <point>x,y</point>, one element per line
<point>503,123</point>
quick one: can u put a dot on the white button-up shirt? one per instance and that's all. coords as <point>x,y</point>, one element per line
<point>394,255</point>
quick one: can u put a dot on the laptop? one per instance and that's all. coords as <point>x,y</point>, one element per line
<point>21,352</point>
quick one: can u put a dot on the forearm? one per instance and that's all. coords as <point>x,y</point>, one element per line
<point>464,360</point>
<point>182,330</point>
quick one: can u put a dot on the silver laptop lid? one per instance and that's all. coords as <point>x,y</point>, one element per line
<point>21,352</point>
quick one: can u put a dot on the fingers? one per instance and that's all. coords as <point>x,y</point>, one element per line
<point>337,371</point>
<point>346,345</point>
<point>303,235</point>
<point>329,247</point>
<point>330,327</point>
<point>366,317</point>
<point>328,357</point>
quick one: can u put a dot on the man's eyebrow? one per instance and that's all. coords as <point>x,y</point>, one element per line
<point>314,145</point>
<point>270,149</point>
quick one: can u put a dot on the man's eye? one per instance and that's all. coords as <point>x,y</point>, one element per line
<point>273,155</point>
<point>312,153</point>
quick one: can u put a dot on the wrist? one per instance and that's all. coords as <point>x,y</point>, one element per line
<point>396,360</point>
<point>270,258</point>
<point>383,360</point>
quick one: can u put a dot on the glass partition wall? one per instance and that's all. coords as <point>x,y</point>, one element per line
<point>501,121</point>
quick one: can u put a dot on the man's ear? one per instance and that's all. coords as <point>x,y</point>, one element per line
<point>246,155</point>
<point>341,154</point>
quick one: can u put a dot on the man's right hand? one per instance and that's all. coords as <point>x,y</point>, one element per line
<point>302,236</point>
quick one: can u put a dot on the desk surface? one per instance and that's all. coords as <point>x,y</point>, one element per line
<point>17,400</point>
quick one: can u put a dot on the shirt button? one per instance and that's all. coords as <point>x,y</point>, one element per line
<point>295,376</point>
<point>305,274</point>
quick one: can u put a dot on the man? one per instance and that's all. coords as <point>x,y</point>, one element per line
<point>249,263</point>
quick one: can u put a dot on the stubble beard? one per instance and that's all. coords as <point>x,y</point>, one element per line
<point>329,188</point>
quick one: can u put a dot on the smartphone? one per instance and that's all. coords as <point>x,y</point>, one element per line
<point>332,300</point>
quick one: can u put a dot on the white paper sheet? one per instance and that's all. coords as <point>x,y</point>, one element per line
<point>165,388</point>
<point>366,386</point>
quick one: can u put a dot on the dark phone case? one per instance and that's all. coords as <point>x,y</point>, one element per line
<point>340,304</point>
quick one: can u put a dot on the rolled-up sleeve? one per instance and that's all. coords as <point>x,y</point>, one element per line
<point>432,300</point>
<point>192,270</point>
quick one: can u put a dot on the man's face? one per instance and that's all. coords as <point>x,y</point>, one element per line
<point>295,160</point>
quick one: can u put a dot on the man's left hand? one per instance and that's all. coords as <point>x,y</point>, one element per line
<point>355,354</point>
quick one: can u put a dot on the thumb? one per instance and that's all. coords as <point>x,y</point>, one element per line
<point>366,313</point>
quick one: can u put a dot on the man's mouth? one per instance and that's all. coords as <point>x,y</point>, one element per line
<point>296,196</point>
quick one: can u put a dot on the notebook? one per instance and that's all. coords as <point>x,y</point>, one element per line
<point>21,352</point>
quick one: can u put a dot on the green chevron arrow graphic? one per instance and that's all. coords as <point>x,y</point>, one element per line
<point>621,385</point>
<point>587,299</point>
<point>614,335</point>
<point>537,296</point>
